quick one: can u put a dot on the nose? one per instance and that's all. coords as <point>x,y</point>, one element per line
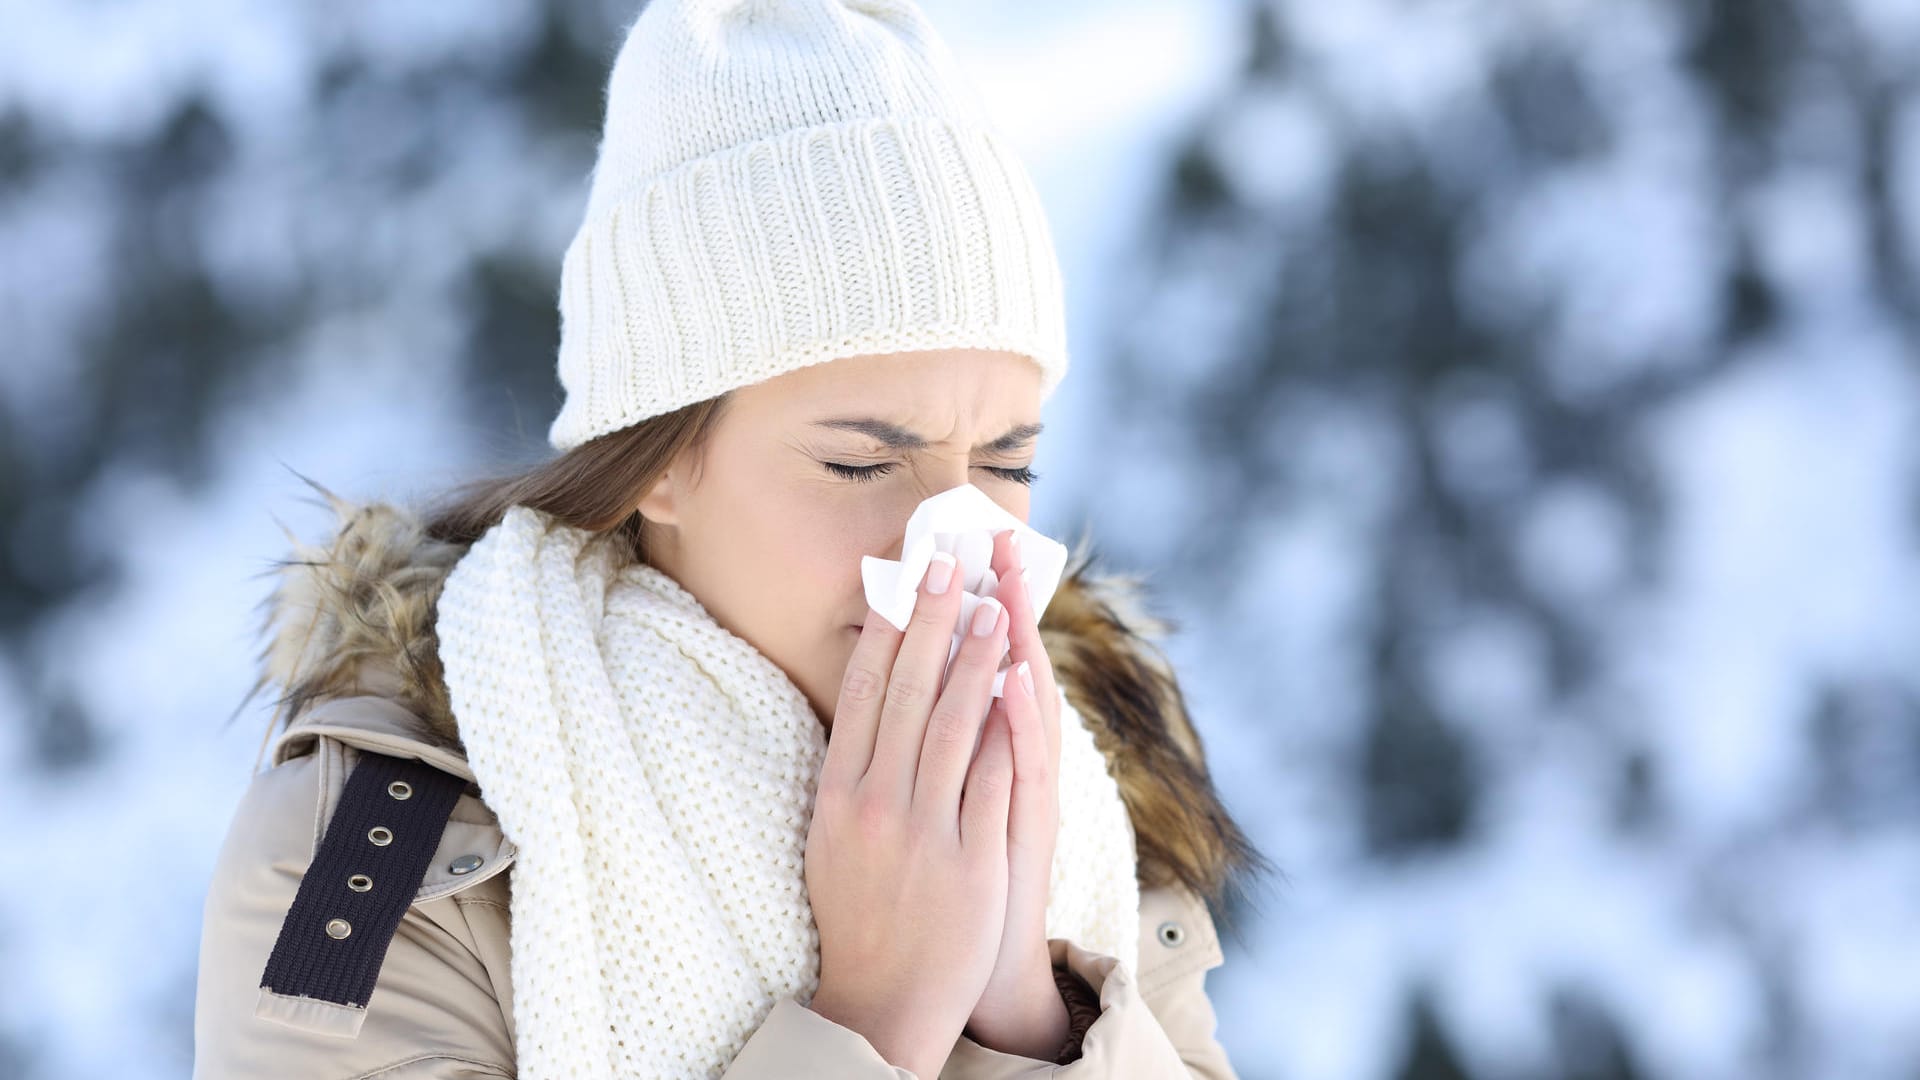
<point>931,477</point>
<point>934,474</point>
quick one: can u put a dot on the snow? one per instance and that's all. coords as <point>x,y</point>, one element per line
<point>1742,582</point>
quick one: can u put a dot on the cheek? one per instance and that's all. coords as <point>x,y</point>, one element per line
<point>799,544</point>
<point>822,560</point>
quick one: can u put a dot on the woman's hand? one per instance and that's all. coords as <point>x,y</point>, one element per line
<point>906,858</point>
<point>1021,1011</point>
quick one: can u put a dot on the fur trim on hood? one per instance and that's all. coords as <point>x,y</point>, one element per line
<point>355,615</point>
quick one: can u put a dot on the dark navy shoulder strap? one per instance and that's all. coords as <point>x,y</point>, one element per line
<point>371,860</point>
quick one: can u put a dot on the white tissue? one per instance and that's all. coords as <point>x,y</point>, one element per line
<point>961,521</point>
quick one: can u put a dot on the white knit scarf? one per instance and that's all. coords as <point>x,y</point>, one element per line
<point>657,774</point>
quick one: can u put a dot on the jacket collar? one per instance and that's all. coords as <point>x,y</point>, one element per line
<point>374,722</point>
<point>348,635</point>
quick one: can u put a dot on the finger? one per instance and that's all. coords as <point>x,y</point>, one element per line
<point>1031,763</point>
<point>958,715</point>
<point>863,690</point>
<point>914,683</point>
<point>1023,639</point>
<point>983,811</point>
<point>1033,816</point>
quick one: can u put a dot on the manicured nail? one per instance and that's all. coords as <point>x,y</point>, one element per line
<point>986,616</point>
<point>940,572</point>
<point>1026,677</point>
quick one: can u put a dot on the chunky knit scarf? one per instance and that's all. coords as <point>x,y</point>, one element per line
<point>657,774</point>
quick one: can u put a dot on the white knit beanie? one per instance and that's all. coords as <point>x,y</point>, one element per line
<point>783,182</point>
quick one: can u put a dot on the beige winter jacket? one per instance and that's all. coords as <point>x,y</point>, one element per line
<point>442,1004</point>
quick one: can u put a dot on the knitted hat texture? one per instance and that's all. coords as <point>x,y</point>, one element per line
<point>784,182</point>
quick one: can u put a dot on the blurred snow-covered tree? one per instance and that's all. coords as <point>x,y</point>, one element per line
<point>1459,328</point>
<point>216,219</point>
<point>385,197</point>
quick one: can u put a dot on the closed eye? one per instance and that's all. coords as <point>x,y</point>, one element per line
<point>1022,475</point>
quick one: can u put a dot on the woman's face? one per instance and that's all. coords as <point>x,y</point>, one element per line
<point>806,472</point>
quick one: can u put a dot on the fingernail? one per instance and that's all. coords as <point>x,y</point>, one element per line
<point>985,616</point>
<point>1013,545</point>
<point>1026,677</point>
<point>940,572</point>
<point>1026,584</point>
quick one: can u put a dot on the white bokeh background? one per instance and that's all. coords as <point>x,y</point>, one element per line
<point>1749,628</point>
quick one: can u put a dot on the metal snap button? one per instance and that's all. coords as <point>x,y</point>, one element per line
<point>400,789</point>
<point>465,864</point>
<point>338,928</point>
<point>1172,934</point>
<point>359,883</point>
<point>380,835</point>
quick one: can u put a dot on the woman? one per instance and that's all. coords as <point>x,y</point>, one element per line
<point>699,812</point>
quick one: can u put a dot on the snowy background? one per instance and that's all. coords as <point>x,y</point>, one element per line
<point>1514,403</point>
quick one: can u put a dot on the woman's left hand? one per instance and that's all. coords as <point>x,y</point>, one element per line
<point>1021,1011</point>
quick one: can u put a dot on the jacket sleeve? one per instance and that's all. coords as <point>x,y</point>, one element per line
<point>433,1012</point>
<point>796,1043</point>
<point>1156,1025</point>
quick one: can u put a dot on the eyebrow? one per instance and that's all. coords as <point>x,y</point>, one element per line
<point>899,438</point>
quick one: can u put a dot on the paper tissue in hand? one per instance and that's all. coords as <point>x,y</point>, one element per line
<point>961,521</point>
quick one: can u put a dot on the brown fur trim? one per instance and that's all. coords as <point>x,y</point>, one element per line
<point>356,616</point>
<point>1101,640</point>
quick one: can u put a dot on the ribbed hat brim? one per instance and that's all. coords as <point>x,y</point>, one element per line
<point>888,234</point>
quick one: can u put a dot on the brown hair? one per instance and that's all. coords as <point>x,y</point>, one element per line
<point>594,486</point>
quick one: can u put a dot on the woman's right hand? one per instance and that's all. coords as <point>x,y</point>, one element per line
<point>906,859</point>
